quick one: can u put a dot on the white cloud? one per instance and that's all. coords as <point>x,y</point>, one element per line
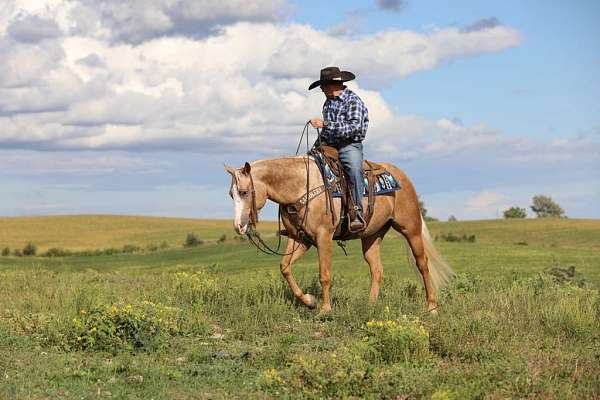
<point>485,200</point>
<point>222,92</point>
<point>84,164</point>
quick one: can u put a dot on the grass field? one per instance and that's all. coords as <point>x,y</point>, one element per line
<point>217,321</point>
<point>83,232</point>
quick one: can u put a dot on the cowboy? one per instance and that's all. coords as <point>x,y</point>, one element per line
<point>344,126</point>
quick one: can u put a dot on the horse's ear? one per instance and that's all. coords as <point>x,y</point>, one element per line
<point>246,169</point>
<point>229,169</point>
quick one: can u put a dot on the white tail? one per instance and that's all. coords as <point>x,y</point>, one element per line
<point>440,272</point>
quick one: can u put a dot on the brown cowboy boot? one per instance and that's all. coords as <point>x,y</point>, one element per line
<point>357,222</point>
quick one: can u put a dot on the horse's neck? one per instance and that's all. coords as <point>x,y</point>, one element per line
<point>284,178</point>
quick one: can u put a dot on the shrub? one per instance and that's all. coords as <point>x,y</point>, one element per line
<point>222,239</point>
<point>192,240</point>
<point>131,248</point>
<point>164,245</point>
<point>566,275</point>
<point>400,340</point>
<point>461,284</point>
<point>17,253</point>
<point>451,237</point>
<point>515,212</point>
<point>143,325</point>
<point>151,247</point>
<point>6,251</point>
<point>57,252</point>
<point>452,218</point>
<point>30,249</point>
<point>313,375</point>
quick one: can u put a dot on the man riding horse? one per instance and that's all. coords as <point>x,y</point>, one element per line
<point>344,126</point>
<point>297,184</point>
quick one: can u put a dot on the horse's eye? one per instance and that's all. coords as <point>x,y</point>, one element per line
<point>243,193</point>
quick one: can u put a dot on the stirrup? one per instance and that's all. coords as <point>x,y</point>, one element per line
<point>360,218</point>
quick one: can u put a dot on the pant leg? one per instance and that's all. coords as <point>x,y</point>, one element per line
<point>351,156</point>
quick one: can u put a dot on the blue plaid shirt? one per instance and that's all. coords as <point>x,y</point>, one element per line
<point>346,118</point>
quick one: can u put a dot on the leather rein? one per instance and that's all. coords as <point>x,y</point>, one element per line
<point>253,235</point>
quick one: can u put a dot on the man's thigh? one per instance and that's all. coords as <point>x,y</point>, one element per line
<point>351,155</point>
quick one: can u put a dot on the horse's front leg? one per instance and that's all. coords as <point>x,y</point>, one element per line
<point>294,251</point>
<point>325,249</point>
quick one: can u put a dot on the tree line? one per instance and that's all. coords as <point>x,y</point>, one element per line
<point>543,207</point>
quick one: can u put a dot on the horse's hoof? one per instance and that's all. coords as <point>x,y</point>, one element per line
<point>432,309</point>
<point>324,315</point>
<point>309,300</point>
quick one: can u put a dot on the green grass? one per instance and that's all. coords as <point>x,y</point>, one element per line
<point>504,329</point>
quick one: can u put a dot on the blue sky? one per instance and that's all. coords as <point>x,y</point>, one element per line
<point>483,104</point>
<point>549,86</point>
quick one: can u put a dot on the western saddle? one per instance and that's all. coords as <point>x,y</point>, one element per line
<point>327,155</point>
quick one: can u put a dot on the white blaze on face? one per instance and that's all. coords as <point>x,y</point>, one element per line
<point>238,205</point>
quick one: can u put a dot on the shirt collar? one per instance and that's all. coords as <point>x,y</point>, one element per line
<point>343,96</point>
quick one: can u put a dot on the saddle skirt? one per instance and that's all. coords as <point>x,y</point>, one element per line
<point>384,181</point>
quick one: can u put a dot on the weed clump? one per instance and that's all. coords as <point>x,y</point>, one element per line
<point>315,375</point>
<point>451,237</point>
<point>192,240</point>
<point>566,276</point>
<point>193,288</point>
<point>399,340</point>
<point>142,325</point>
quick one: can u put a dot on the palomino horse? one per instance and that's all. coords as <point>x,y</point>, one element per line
<point>284,181</point>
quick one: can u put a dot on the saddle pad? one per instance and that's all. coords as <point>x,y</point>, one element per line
<point>384,183</point>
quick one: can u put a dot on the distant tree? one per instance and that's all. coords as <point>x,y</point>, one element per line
<point>192,240</point>
<point>6,251</point>
<point>545,207</point>
<point>515,212</point>
<point>452,218</point>
<point>422,208</point>
<point>424,212</point>
<point>29,249</point>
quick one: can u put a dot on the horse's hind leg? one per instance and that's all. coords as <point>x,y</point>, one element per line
<point>415,241</point>
<point>294,251</point>
<point>371,253</point>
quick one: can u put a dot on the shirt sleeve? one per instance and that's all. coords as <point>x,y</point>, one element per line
<point>350,126</point>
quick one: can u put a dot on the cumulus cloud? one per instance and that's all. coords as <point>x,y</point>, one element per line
<point>221,93</point>
<point>32,28</point>
<point>139,20</point>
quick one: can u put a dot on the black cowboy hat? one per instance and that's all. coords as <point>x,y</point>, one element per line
<point>332,75</point>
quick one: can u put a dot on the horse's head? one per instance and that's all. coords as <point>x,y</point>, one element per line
<point>247,198</point>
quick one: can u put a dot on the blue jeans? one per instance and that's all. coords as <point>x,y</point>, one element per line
<point>351,156</point>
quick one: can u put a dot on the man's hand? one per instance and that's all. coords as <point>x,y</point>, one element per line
<point>317,123</point>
